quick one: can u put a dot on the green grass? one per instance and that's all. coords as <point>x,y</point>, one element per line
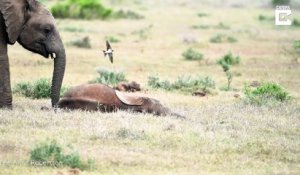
<point>266,94</point>
<point>186,83</point>
<point>80,9</point>
<point>109,77</point>
<point>122,14</point>
<point>38,89</point>
<point>191,54</point>
<point>222,38</point>
<point>53,155</point>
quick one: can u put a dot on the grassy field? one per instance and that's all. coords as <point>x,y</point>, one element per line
<point>222,135</point>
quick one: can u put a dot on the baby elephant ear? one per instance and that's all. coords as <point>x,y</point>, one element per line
<point>13,14</point>
<point>129,99</point>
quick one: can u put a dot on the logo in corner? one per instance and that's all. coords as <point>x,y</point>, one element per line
<point>281,16</point>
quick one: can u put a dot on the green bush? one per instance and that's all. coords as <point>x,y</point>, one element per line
<point>186,83</point>
<point>38,89</point>
<point>109,77</point>
<point>266,94</point>
<point>127,15</point>
<point>52,154</point>
<point>296,23</point>
<point>191,54</point>
<point>81,43</point>
<point>80,9</point>
<point>222,26</point>
<point>229,59</point>
<point>281,2</point>
<point>226,62</point>
<point>202,14</point>
<point>112,39</point>
<point>221,38</point>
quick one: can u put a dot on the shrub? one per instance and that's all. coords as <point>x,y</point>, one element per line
<point>220,38</point>
<point>222,26</point>
<point>81,43</point>
<point>280,2</point>
<point>127,15</point>
<point>38,89</point>
<point>144,32</point>
<point>73,29</point>
<point>266,94</point>
<point>80,9</point>
<point>202,14</point>
<point>186,83</point>
<point>200,26</point>
<point>296,23</point>
<point>229,59</point>
<point>191,54</point>
<point>109,77</point>
<point>265,18</point>
<point>52,154</point>
<point>226,62</point>
<point>112,39</point>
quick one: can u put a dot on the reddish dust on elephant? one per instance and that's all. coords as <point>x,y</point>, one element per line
<point>100,97</point>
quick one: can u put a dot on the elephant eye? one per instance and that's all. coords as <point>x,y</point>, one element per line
<point>47,31</point>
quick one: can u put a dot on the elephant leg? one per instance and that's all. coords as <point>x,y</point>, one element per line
<point>5,89</point>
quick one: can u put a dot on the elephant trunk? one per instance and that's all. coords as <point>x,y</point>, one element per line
<point>58,74</point>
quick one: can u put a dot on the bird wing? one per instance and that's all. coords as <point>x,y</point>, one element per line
<point>111,58</point>
<point>108,45</point>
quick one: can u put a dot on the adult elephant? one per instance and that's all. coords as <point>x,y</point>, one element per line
<point>33,26</point>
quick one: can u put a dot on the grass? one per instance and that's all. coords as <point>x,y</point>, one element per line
<point>52,154</point>
<point>222,38</point>
<point>267,94</point>
<point>80,9</point>
<point>109,77</point>
<point>186,83</point>
<point>191,54</point>
<point>38,89</point>
<point>122,14</point>
<point>222,136</point>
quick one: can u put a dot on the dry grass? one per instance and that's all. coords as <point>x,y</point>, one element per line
<point>222,135</point>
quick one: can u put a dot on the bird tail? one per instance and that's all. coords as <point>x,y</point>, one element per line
<point>104,53</point>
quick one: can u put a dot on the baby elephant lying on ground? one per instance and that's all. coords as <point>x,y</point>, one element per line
<point>99,97</point>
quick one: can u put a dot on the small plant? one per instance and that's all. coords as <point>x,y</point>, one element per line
<point>185,83</point>
<point>281,2</point>
<point>81,43</point>
<point>112,39</point>
<point>220,38</point>
<point>52,154</point>
<point>226,62</point>
<point>229,59</point>
<point>201,14</point>
<point>265,18</point>
<point>222,26</point>
<point>296,23</point>
<point>73,29</point>
<point>127,15</point>
<point>191,54</point>
<point>266,94</point>
<point>109,77</point>
<point>200,26</point>
<point>80,9</point>
<point>38,89</point>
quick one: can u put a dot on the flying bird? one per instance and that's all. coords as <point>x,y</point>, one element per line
<point>109,51</point>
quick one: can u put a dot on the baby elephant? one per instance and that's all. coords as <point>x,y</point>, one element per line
<point>99,97</point>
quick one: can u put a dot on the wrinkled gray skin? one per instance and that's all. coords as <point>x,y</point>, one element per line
<point>33,26</point>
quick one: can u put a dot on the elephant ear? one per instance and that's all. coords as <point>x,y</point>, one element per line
<point>129,99</point>
<point>13,14</point>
